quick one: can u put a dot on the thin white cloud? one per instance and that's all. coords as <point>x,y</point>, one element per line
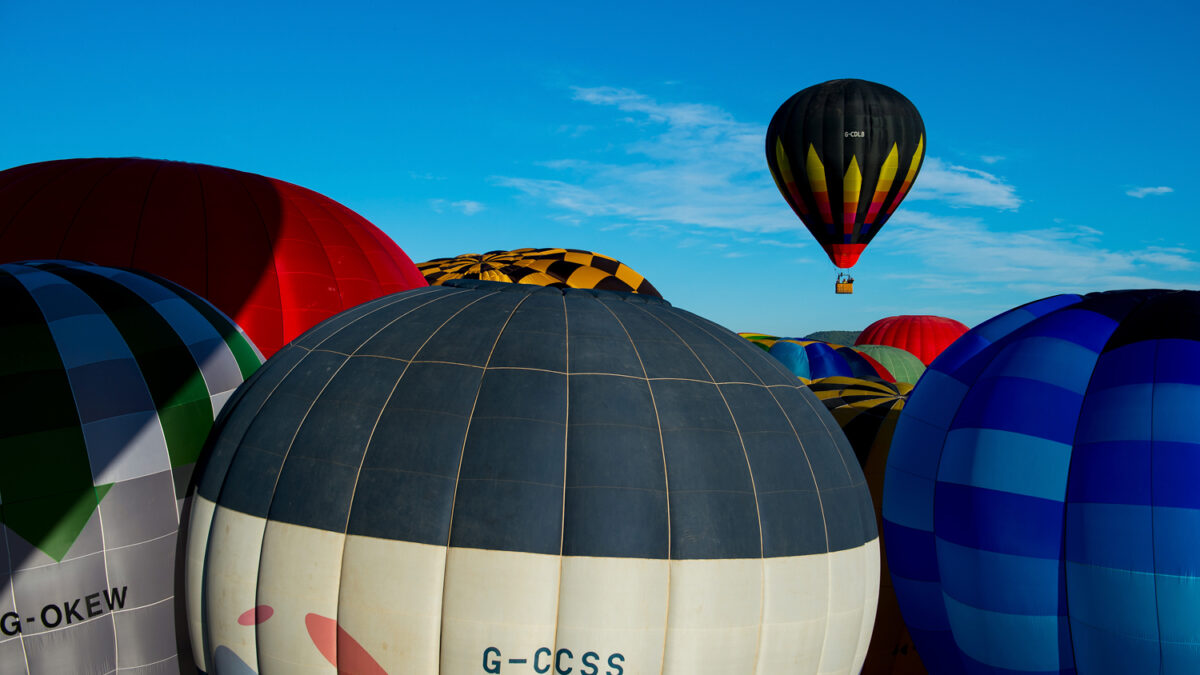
<point>694,164</point>
<point>966,256</point>
<point>991,159</point>
<point>1141,192</point>
<point>465,206</point>
<point>962,186</point>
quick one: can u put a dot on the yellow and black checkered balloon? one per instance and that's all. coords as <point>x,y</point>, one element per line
<point>558,267</point>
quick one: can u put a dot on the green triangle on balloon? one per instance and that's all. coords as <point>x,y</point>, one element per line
<point>53,523</point>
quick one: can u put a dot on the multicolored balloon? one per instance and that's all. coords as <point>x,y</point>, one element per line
<point>275,257</point>
<point>844,154</point>
<point>867,411</point>
<point>558,267</point>
<point>923,335</point>
<point>112,379</point>
<point>815,359</point>
<point>492,477</point>
<point>1040,503</point>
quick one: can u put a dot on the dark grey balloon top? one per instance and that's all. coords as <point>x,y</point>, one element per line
<point>504,416</point>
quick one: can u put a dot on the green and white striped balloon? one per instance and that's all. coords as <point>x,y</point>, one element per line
<point>111,380</point>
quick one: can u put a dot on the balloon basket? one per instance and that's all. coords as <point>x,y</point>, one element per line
<point>843,287</point>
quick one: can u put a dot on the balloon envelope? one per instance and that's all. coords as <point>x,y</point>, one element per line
<point>903,365</point>
<point>844,154</point>
<point>275,257</point>
<point>1039,506</point>
<point>479,474</point>
<point>558,267</point>
<point>112,379</point>
<point>922,335</point>
<point>814,359</point>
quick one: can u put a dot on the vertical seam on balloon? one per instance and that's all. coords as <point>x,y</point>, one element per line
<point>1153,537</point>
<point>289,198</point>
<point>370,437</point>
<point>137,231</point>
<point>7,548</point>
<point>203,230</point>
<point>78,209</point>
<point>16,214</point>
<point>566,447</point>
<point>170,470</point>
<point>99,517</point>
<point>463,451</point>
<point>236,177</point>
<point>383,243</point>
<point>212,531</point>
<point>205,635</point>
<point>275,487</point>
<point>662,666</point>
<point>749,472</point>
<point>762,609</point>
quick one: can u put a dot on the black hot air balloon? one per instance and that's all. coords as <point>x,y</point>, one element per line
<point>844,153</point>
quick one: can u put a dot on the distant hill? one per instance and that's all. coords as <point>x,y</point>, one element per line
<point>840,337</point>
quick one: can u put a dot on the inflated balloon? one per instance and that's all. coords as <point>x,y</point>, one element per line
<point>844,153</point>
<point>485,477</point>
<point>923,335</point>
<point>558,267</point>
<point>760,340</point>
<point>275,257</point>
<point>1040,503</point>
<point>814,359</point>
<point>867,411</point>
<point>112,379</point>
<point>903,365</point>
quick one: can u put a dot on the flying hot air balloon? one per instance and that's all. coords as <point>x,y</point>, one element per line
<point>844,154</point>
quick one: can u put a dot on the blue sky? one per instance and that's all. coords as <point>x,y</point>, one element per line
<point>1062,142</point>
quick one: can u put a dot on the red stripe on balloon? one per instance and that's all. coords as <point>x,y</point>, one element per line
<point>338,648</point>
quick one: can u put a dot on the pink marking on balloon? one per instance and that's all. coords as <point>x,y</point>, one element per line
<point>338,648</point>
<point>257,615</point>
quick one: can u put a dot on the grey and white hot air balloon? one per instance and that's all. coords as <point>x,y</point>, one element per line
<point>484,477</point>
<point>111,380</point>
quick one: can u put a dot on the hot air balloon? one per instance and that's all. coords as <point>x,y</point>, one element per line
<point>1040,505</point>
<point>903,365</point>
<point>275,257</point>
<point>484,477</point>
<point>844,154</point>
<point>815,359</point>
<point>111,382</point>
<point>558,267</point>
<point>923,335</point>
<point>867,411</point>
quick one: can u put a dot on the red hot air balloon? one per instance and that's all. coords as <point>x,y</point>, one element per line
<point>844,154</point>
<point>922,335</point>
<point>275,257</point>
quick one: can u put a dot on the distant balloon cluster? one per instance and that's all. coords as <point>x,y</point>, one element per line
<point>528,461</point>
